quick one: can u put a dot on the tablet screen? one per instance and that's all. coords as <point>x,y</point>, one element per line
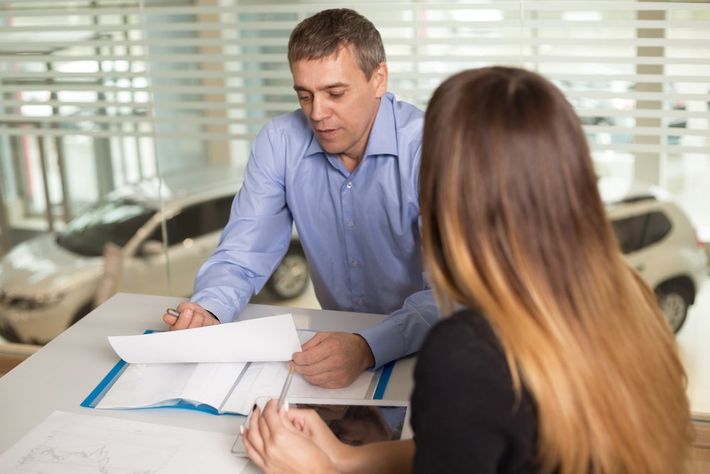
<point>361,424</point>
<point>354,422</point>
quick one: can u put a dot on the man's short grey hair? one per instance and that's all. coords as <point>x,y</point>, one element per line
<point>324,33</point>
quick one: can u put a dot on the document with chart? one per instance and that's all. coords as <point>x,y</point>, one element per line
<point>69,443</point>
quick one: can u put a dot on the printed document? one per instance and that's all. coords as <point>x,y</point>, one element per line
<point>227,381</point>
<point>68,443</point>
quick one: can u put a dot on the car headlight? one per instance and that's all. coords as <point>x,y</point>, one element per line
<point>29,303</point>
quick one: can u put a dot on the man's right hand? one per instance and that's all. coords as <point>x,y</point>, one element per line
<point>333,359</point>
<point>192,315</point>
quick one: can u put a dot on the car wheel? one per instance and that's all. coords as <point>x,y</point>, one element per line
<point>674,303</point>
<point>290,279</point>
<point>9,334</point>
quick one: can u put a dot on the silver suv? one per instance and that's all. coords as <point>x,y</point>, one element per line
<point>661,243</point>
<point>49,282</point>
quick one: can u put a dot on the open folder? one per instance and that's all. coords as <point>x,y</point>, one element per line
<point>219,369</point>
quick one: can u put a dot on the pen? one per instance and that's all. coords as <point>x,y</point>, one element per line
<point>173,312</point>
<point>284,390</point>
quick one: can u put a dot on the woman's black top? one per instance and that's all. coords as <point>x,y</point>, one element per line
<point>465,414</point>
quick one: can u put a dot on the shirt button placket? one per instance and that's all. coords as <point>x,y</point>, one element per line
<point>354,258</point>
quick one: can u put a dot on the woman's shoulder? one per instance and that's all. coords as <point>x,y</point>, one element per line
<point>468,329</point>
<point>464,402</point>
<point>464,346</point>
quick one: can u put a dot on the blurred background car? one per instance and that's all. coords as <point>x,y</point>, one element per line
<point>51,281</point>
<point>659,240</point>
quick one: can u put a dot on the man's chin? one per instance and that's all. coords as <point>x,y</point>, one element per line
<point>331,148</point>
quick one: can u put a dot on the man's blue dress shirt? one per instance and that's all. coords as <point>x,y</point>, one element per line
<point>359,230</point>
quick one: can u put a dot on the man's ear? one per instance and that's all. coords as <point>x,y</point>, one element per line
<point>379,80</point>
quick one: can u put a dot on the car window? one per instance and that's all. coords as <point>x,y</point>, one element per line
<point>629,232</point>
<point>215,214</point>
<point>657,227</point>
<point>637,232</point>
<point>109,221</point>
<point>196,220</point>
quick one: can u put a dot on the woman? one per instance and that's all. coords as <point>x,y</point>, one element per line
<point>557,358</point>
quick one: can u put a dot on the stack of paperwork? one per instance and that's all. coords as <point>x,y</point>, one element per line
<point>218,369</point>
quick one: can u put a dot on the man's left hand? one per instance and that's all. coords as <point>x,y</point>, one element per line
<point>333,359</point>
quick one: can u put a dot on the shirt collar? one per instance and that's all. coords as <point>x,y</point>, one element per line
<point>383,136</point>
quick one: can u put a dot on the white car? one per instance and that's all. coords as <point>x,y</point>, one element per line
<point>49,282</point>
<point>661,243</point>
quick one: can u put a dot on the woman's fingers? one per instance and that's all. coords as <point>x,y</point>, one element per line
<point>276,419</point>
<point>254,433</point>
<point>265,427</point>
<point>254,454</point>
<point>298,418</point>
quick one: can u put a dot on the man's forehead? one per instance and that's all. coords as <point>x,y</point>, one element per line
<point>334,56</point>
<point>343,56</point>
<point>326,73</point>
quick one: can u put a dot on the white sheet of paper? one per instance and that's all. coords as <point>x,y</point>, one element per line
<point>267,379</point>
<point>145,385</point>
<point>263,339</point>
<point>68,443</point>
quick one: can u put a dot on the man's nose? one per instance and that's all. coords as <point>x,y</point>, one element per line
<point>319,109</point>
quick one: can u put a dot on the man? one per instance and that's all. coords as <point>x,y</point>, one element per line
<point>344,168</point>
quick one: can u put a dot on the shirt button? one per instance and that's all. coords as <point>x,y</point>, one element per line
<point>360,301</point>
<point>354,263</point>
<point>349,185</point>
<point>350,223</point>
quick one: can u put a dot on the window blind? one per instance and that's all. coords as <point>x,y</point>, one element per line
<point>637,72</point>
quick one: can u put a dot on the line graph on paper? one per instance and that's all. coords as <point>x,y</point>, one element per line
<point>78,444</point>
<point>74,449</point>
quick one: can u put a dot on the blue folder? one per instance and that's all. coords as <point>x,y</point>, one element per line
<point>100,390</point>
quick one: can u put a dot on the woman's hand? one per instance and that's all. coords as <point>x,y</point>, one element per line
<point>291,441</point>
<point>311,424</point>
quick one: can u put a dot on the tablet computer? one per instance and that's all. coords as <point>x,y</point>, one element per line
<point>354,422</point>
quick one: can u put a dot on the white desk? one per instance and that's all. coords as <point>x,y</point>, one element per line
<point>63,373</point>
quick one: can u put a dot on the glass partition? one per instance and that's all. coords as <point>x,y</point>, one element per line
<point>129,122</point>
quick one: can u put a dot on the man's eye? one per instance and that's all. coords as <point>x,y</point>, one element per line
<point>304,98</point>
<point>336,93</point>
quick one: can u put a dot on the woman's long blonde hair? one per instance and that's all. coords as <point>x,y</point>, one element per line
<point>513,225</point>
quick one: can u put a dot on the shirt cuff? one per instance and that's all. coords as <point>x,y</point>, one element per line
<point>222,313</point>
<point>386,343</point>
